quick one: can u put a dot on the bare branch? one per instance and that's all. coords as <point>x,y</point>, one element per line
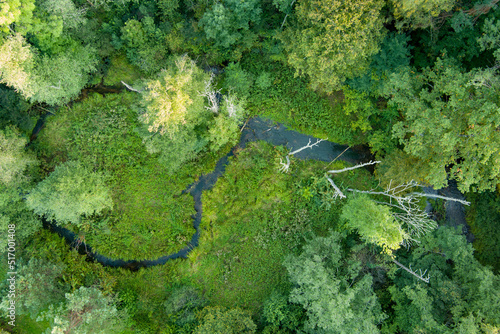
<point>442,197</point>
<point>309,145</point>
<point>337,193</point>
<point>420,275</point>
<point>285,166</point>
<point>132,88</point>
<point>211,94</point>
<point>354,167</point>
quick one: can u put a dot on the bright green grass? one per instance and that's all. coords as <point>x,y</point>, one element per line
<point>147,221</point>
<point>255,216</point>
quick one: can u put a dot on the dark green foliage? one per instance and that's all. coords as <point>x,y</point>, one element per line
<point>183,304</point>
<point>237,80</point>
<point>13,110</point>
<point>38,284</point>
<point>336,295</point>
<point>142,40</point>
<point>228,22</point>
<point>484,217</point>
<point>280,316</point>
<point>460,288</point>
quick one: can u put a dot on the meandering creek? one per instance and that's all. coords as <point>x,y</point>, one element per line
<point>255,129</point>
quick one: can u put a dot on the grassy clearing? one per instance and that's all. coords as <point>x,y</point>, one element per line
<point>147,221</point>
<point>253,218</point>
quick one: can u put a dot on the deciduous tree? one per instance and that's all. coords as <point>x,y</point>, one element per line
<point>337,298</point>
<point>333,40</point>
<point>86,310</point>
<point>70,192</point>
<point>450,121</point>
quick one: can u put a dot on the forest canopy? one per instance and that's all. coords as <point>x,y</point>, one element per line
<point>257,166</point>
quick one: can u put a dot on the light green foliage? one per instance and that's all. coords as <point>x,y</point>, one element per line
<point>359,104</point>
<point>38,286</point>
<point>147,221</point>
<point>13,157</point>
<point>70,192</point>
<point>338,299</point>
<point>71,16</point>
<point>227,321</point>
<point>13,211</point>
<point>174,100</point>
<point>224,131</point>
<point>178,122</point>
<point>450,120</point>
<point>86,310</point>
<point>264,80</point>
<point>228,22</point>
<point>419,13</point>
<point>60,78</point>
<point>121,70</point>
<point>15,11</point>
<point>333,40</point>
<point>16,63</point>
<point>253,217</point>
<point>373,222</point>
<point>50,79</point>
<point>14,160</point>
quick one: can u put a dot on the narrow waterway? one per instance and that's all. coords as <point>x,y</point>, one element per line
<point>255,129</point>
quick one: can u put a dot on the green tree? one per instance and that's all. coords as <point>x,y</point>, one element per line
<point>15,11</point>
<point>224,321</point>
<point>374,222</point>
<point>174,100</point>
<point>14,161</point>
<point>70,192</point>
<point>14,211</point>
<point>333,40</point>
<point>461,294</point>
<point>336,296</point>
<point>228,22</point>
<point>86,310</point>
<point>38,285</point>
<point>281,316</point>
<point>13,157</point>
<point>51,79</point>
<point>16,64</point>
<point>450,121</point>
<point>419,13</point>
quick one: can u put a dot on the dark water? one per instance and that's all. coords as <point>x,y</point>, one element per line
<point>255,129</point>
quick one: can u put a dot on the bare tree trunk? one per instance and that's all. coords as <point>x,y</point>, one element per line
<point>420,276</point>
<point>285,166</point>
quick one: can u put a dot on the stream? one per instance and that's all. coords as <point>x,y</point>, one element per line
<point>255,129</point>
